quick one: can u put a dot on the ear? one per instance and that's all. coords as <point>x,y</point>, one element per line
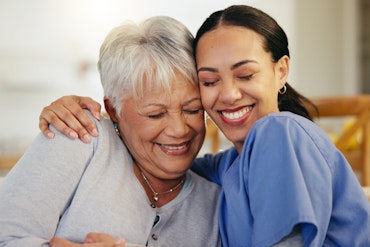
<point>110,110</point>
<point>282,69</point>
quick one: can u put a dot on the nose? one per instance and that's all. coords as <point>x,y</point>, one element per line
<point>230,92</point>
<point>177,126</point>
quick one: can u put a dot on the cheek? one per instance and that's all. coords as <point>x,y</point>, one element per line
<point>265,88</point>
<point>208,97</point>
<point>197,124</point>
<point>135,132</point>
<point>200,126</point>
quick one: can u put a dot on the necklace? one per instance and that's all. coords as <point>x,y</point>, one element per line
<point>157,194</point>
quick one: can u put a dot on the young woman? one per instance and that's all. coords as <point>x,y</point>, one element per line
<point>283,179</point>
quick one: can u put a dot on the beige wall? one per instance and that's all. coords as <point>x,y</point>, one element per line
<point>44,43</point>
<point>328,47</point>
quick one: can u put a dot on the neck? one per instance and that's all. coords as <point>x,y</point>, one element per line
<point>159,191</point>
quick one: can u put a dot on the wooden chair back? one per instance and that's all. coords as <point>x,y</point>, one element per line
<point>357,107</point>
<point>7,162</point>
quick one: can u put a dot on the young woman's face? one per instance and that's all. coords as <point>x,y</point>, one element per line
<point>164,132</point>
<point>239,82</point>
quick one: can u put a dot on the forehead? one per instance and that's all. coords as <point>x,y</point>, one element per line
<point>228,45</point>
<point>230,38</point>
<point>231,32</point>
<point>180,89</point>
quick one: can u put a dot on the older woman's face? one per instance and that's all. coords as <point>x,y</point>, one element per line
<point>164,132</point>
<point>239,82</point>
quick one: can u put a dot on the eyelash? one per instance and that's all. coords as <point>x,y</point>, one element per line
<point>208,84</point>
<point>191,112</point>
<point>248,77</point>
<point>156,116</point>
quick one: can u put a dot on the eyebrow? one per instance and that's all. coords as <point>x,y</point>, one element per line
<point>189,101</point>
<point>184,104</point>
<point>232,67</point>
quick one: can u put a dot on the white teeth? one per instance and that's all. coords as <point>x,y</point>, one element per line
<point>173,147</point>
<point>238,114</point>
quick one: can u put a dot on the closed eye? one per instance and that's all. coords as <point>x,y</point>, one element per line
<point>209,83</point>
<point>194,112</point>
<point>156,116</point>
<point>247,77</point>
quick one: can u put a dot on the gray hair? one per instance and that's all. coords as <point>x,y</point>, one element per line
<point>133,55</point>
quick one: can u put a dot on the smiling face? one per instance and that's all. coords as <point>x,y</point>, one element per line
<point>163,131</point>
<point>239,82</point>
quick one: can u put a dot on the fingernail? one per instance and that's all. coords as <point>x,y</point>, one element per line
<point>50,135</point>
<point>94,132</point>
<point>86,138</point>
<point>73,135</point>
<point>120,241</point>
<point>88,241</point>
<point>97,116</point>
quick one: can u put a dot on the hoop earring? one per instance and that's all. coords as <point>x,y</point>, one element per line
<point>282,90</point>
<point>115,125</point>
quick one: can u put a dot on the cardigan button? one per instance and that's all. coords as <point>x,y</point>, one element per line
<point>154,237</point>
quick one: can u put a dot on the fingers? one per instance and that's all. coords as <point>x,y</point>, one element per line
<point>70,110</point>
<point>51,116</point>
<point>44,127</point>
<point>120,243</point>
<point>103,240</point>
<point>94,237</point>
<point>60,242</point>
<point>97,240</point>
<point>93,106</point>
<point>67,115</point>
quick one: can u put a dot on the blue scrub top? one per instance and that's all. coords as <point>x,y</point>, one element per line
<point>289,173</point>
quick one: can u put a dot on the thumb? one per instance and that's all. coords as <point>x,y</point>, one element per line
<point>120,243</point>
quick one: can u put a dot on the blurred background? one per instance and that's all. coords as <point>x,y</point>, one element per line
<point>49,48</point>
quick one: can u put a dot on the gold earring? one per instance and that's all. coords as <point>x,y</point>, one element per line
<point>282,90</point>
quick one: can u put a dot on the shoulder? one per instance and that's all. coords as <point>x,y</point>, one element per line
<point>105,143</point>
<point>201,192</point>
<point>284,120</point>
<point>107,134</point>
<point>289,133</point>
<point>293,135</point>
<point>289,125</point>
<point>104,125</point>
<point>203,184</point>
<point>108,143</point>
<point>214,159</point>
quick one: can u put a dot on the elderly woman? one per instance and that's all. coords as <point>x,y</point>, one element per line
<point>132,181</point>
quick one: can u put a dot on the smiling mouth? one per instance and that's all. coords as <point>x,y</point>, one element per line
<point>175,147</point>
<point>237,114</point>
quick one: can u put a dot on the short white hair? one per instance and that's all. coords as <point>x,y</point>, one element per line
<point>133,55</point>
